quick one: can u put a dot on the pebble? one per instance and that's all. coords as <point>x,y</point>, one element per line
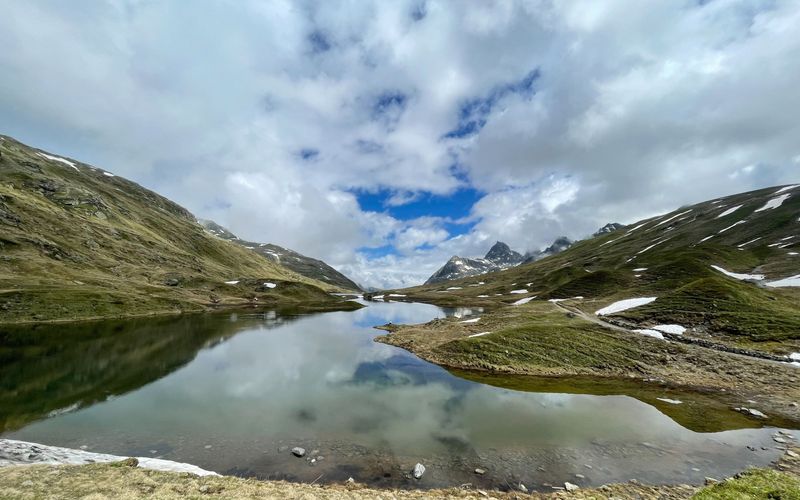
<point>298,452</point>
<point>522,488</point>
<point>792,454</point>
<point>779,440</point>
<point>580,476</point>
<point>710,480</point>
<point>570,487</point>
<point>418,471</point>
<point>208,447</point>
<point>480,472</point>
<point>351,480</point>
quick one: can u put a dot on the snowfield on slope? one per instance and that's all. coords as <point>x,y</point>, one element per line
<point>624,305</point>
<point>790,281</point>
<point>19,452</point>
<point>740,276</point>
<point>523,301</point>
<point>58,159</point>
<point>774,202</point>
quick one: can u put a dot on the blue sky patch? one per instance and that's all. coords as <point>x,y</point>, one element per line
<point>455,205</point>
<point>473,113</point>
<point>377,252</point>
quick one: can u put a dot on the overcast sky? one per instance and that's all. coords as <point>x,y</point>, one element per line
<point>384,137</point>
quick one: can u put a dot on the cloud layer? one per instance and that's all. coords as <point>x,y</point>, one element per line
<point>275,119</point>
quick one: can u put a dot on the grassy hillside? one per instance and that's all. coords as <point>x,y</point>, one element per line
<point>297,262</point>
<point>671,257</point>
<point>77,242</point>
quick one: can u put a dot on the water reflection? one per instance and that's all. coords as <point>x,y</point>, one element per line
<point>319,381</point>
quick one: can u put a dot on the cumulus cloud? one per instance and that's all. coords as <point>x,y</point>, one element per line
<point>272,117</point>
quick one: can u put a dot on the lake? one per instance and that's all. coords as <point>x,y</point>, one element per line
<point>233,393</point>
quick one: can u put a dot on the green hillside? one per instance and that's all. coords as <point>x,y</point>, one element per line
<point>77,242</point>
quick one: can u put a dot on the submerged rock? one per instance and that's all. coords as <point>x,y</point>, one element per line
<point>298,452</point>
<point>570,487</point>
<point>418,471</point>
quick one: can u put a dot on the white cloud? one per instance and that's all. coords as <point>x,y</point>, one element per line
<point>638,108</point>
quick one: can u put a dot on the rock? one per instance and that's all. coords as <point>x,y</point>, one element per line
<point>129,462</point>
<point>793,404</point>
<point>780,440</point>
<point>351,480</point>
<point>580,476</point>
<point>171,282</point>
<point>480,472</point>
<point>792,454</point>
<point>522,488</point>
<point>570,487</point>
<point>709,481</point>
<point>298,452</point>
<point>418,471</point>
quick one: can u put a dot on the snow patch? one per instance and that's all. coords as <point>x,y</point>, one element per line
<point>671,218</point>
<point>740,276</point>
<point>624,305</point>
<point>270,285</point>
<point>479,334</point>
<point>774,202</point>
<point>454,288</point>
<point>59,159</point>
<point>396,295</point>
<point>519,291</point>
<point>790,281</point>
<point>729,211</point>
<point>732,225</point>
<point>109,174</point>
<point>670,401</point>
<point>650,333</point>
<point>675,329</point>
<point>473,320</point>
<point>748,242</point>
<point>640,269</point>
<point>483,296</point>
<point>19,452</point>
<point>232,282</point>
<point>523,301</point>
<point>787,188</point>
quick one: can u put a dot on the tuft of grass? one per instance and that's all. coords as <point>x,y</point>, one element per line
<point>755,484</point>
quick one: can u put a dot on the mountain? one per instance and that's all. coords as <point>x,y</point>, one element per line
<point>500,256</point>
<point>608,228</point>
<point>79,242</point>
<point>307,266</point>
<point>559,245</point>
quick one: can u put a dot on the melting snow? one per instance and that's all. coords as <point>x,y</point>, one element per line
<point>673,217</point>
<point>790,281</point>
<point>377,297</point>
<point>479,334</point>
<point>650,333</point>
<point>18,453</point>
<point>640,269</point>
<point>233,282</point>
<point>774,202</point>
<point>634,229</point>
<point>109,174</point>
<point>729,211</point>
<point>396,295</point>
<point>676,329</point>
<point>706,238</point>
<point>473,320</point>
<point>792,253</point>
<point>787,188</point>
<point>748,242</point>
<point>732,225</point>
<point>483,296</point>
<point>454,288</point>
<point>270,285</point>
<point>670,401</point>
<point>624,305</point>
<point>740,276</point>
<point>651,246</point>
<point>58,159</point>
<point>519,291</point>
<point>523,301</point>
<point>556,300</point>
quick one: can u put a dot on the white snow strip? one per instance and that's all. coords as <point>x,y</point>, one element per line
<point>58,159</point>
<point>634,229</point>
<point>377,297</point>
<point>483,296</point>
<point>556,300</point>
<point>671,218</point>
<point>109,174</point>
<point>454,288</point>
<point>479,334</point>
<point>740,276</point>
<point>792,253</point>
<point>481,283</point>
<point>676,329</point>
<point>729,211</point>
<point>706,238</point>
<point>519,291</point>
<point>732,225</point>
<point>651,246</point>
<point>670,401</point>
<point>774,202</point>
<point>270,285</point>
<point>787,188</point>
<point>609,241</point>
<point>624,305</point>
<point>396,295</point>
<point>523,301</point>
<point>650,333</point>
<point>17,452</point>
<point>473,320</point>
<point>748,242</point>
<point>790,281</point>
<point>232,282</point>
<point>640,269</point>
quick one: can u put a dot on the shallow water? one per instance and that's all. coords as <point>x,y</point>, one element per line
<point>233,393</point>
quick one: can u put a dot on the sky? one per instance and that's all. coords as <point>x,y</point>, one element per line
<point>385,137</point>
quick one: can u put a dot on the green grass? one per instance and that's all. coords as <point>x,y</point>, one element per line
<point>757,484</point>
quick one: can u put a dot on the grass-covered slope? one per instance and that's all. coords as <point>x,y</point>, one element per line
<point>671,257</point>
<point>297,262</point>
<point>77,242</point>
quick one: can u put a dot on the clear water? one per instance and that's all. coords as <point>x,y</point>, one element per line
<point>233,393</point>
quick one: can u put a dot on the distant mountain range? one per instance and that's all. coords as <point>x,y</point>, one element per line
<point>299,263</point>
<point>499,257</point>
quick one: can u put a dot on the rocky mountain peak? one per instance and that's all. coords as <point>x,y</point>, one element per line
<point>502,255</point>
<point>608,228</point>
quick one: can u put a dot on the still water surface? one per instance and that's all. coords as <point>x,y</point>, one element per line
<point>233,393</point>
